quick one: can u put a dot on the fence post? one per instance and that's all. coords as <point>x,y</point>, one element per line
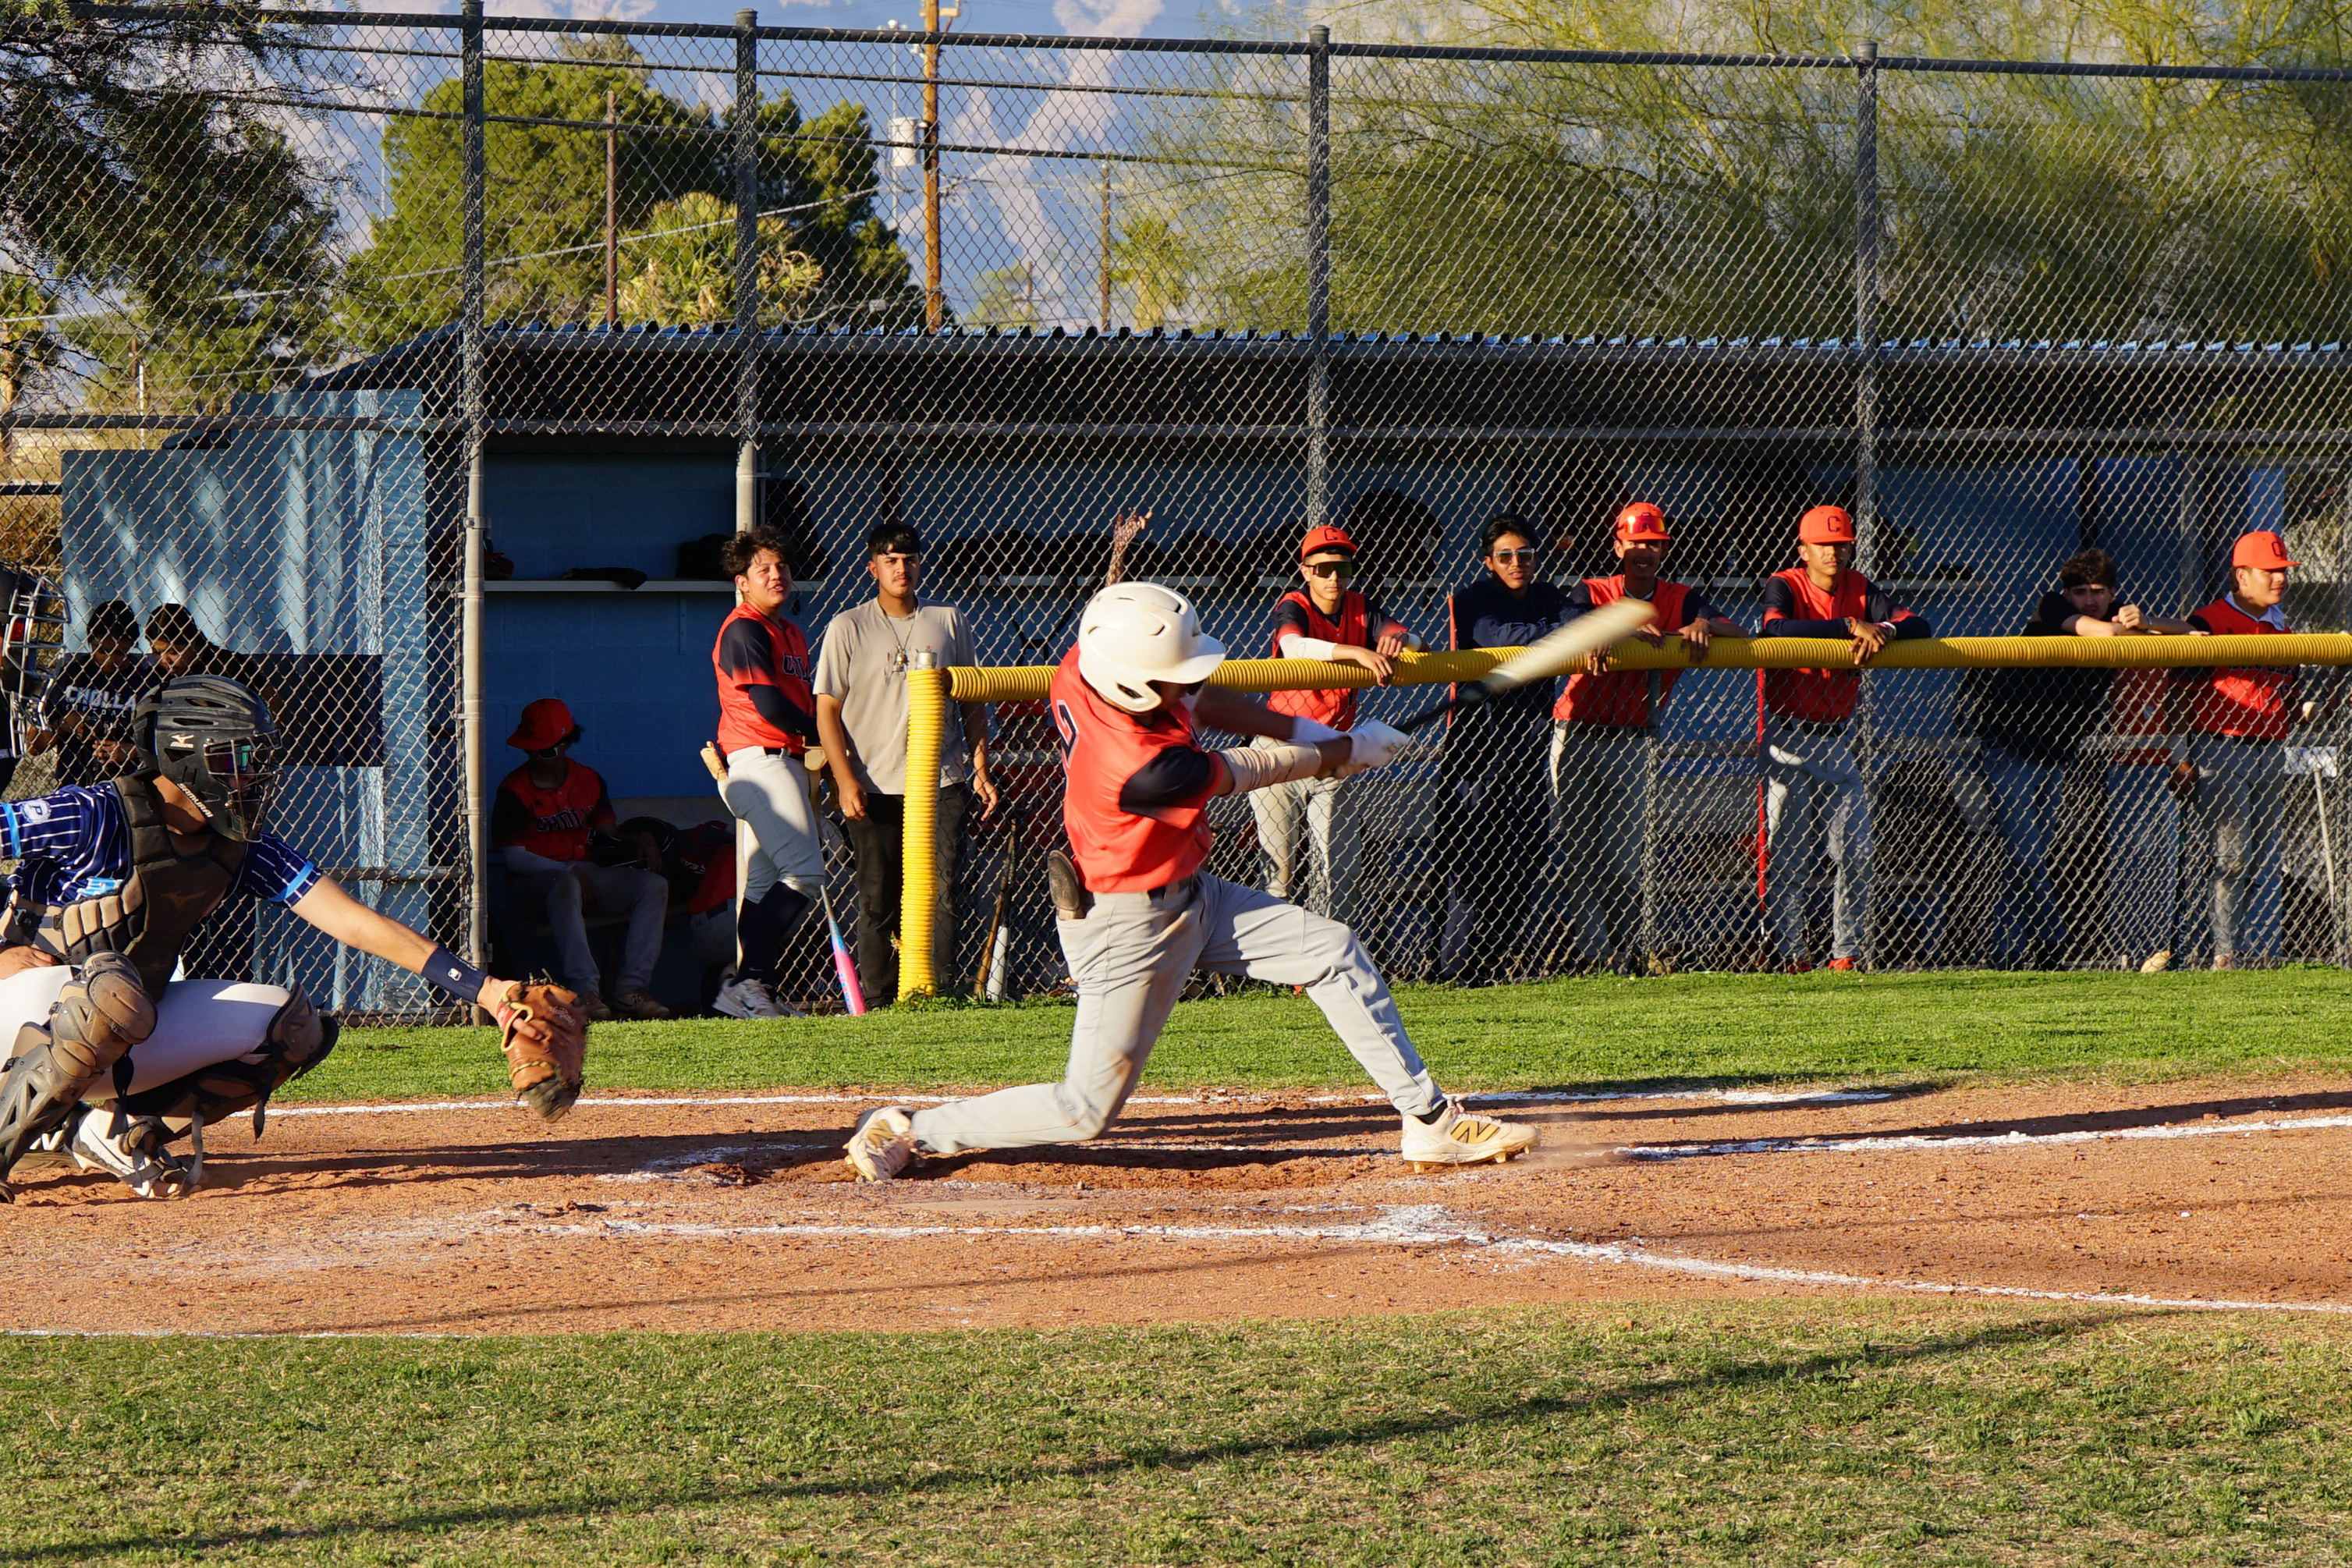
<point>1865,438</point>
<point>1319,275</point>
<point>469,338</point>
<point>918,882</point>
<point>1651,718</point>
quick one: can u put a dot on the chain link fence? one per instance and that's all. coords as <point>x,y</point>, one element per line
<point>419,359</point>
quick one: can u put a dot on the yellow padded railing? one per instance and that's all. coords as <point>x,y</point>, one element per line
<point>932,694</point>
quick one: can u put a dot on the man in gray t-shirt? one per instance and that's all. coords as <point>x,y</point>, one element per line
<point>861,717</point>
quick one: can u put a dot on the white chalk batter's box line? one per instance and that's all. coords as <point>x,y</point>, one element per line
<point>1501,1097</point>
<point>1420,1224</point>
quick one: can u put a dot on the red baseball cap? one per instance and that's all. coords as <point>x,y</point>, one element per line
<point>546,723</point>
<point>1825,525</point>
<point>1643,521</point>
<point>2261,548</point>
<point>1326,537</point>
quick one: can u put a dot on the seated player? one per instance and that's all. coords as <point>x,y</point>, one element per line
<point>110,881</point>
<point>1138,914</point>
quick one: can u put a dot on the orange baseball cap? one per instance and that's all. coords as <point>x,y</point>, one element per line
<point>1326,537</point>
<point>2261,548</point>
<point>546,723</point>
<point>1643,521</point>
<point>1825,525</point>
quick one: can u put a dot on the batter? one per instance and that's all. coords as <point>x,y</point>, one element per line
<point>1138,914</point>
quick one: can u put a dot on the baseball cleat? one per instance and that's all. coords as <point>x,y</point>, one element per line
<point>1458,1138</point>
<point>639,1003</point>
<point>882,1144</point>
<point>747,999</point>
<point>137,1156</point>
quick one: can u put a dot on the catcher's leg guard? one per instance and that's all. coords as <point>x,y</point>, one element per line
<point>299,1039</point>
<point>102,1011</point>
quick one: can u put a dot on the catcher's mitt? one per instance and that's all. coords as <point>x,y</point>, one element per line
<point>544,1033</point>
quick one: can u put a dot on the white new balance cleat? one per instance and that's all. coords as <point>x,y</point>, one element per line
<point>747,999</point>
<point>1458,1138</point>
<point>137,1156</point>
<point>882,1144</point>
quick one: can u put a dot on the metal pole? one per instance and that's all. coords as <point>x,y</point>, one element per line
<point>612,207</point>
<point>745,151</point>
<point>1865,414</point>
<point>469,637</point>
<point>1319,275</point>
<point>934,299</point>
<point>1650,717</point>
<point>1103,260</point>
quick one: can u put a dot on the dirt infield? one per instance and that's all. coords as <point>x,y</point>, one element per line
<point>717,1212</point>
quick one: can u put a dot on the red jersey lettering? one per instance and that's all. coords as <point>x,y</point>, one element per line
<point>1119,850</point>
<point>753,650</point>
<point>1622,697</point>
<point>2251,704</point>
<point>551,822</point>
<point>1337,705</point>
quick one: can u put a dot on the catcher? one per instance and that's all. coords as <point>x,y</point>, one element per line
<point>112,1062</point>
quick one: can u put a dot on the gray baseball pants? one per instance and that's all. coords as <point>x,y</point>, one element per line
<point>1814,797</point>
<point>2241,804</point>
<point>1130,956</point>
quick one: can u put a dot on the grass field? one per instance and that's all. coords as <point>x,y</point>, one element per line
<point>1787,1432</point>
<point>1583,1032</point>
<point>1791,1431</point>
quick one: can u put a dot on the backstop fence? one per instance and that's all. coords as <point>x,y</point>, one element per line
<point>419,358</point>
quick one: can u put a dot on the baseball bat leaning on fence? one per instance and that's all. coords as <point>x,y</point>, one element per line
<point>853,994</point>
<point>1605,626</point>
<point>988,972</point>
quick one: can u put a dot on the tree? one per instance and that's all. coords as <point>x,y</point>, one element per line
<point>1155,262</point>
<point>153,201</point>
<point>681,271</point>
<point>1006,297</point>
<point>543,203</point>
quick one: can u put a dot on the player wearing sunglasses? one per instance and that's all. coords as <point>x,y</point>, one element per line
<point>111,1060</point>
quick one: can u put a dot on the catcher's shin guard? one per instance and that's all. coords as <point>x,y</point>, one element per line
<point>103,1011</point>
<point>298,1039</point>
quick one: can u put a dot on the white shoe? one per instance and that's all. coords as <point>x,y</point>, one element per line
<point>882,1144</point>
<point>747,999</point>
<point>138,1156</point>
<point>1458,1138</point>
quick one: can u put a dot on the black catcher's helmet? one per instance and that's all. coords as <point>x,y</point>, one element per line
<point>213,737</point>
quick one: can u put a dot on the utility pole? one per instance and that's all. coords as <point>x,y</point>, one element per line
<point>612,207</point>
<point>1103,258</point>
<point>934,301</point>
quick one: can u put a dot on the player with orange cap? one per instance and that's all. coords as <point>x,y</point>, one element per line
<point>1597,726</point>
<point>1325,618</point>
<point>2236,719</point>
<point>1813,789</point>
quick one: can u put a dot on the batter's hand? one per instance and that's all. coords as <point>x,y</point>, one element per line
<point>1372,744</point>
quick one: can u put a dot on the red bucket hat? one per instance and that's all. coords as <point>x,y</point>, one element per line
<point>546,723</point>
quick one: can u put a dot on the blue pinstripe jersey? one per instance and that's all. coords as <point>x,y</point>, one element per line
<point>75,844</point>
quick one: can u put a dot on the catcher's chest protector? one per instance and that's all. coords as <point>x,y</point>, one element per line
<point>149,919</point>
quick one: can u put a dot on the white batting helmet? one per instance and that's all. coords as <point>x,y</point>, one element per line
<point>1133,633</point>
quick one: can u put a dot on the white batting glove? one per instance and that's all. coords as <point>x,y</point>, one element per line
<point>1307,732</point>
<point>1375,745</point>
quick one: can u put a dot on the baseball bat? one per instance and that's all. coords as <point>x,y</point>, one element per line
<point>1605,626</point>
<point>853,994</point>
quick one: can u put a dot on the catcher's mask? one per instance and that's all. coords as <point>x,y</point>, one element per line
<point>31,636</point>
<point>213,737</point>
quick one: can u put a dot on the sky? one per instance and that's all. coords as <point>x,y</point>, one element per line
<point>1109,18</point>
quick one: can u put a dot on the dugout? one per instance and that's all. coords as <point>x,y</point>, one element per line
<point>612,450</point>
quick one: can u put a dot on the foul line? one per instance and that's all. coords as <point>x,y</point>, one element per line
<point>1977,1141</point>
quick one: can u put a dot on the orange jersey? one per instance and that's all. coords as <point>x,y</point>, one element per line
<point>554,823</point>
<point>1138,787</point>
<point>1335,706</point>
<point>753,650</point>
<point>1622,697</point>
<point>1821,696</point>
<point>2248,703</point>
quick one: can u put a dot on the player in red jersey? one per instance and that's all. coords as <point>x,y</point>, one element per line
<point>1310,820</point>
<point>1597,732</point>
<point>2236,719</point>
<point>767,717</point>
<point>1138,914</point>
<point>1814,788</point>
